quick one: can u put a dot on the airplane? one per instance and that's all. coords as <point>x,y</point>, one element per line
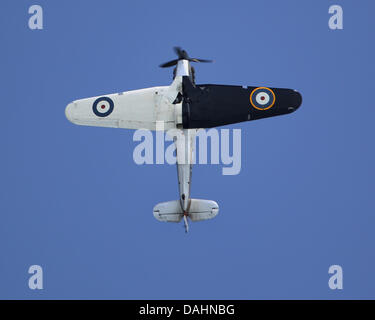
<point>185,107</point>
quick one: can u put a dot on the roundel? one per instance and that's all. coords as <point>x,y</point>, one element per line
<point>103,106</point>
<point>262,98</point>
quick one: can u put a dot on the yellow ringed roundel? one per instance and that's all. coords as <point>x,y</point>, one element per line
<point>262,98</point>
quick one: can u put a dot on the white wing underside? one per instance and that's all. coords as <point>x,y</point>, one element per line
<point>138,109</point>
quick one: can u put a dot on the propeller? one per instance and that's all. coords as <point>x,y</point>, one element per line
<point>182,55</point>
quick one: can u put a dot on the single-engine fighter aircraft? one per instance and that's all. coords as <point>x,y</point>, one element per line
<point>186,107</point>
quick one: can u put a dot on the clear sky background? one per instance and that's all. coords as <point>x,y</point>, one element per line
<point>73,201</point>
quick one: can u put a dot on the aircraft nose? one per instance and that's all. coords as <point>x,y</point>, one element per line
<point>69,112</point>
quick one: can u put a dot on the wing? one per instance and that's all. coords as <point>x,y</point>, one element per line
<point>216,105</point>
<point>138,109</point>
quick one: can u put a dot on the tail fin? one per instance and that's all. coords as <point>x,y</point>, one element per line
<point>199,210</point>
<point>186,224</point>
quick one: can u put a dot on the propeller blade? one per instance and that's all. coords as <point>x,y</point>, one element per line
<point>182,54</point>
<point>169,64</point>
<point>201,60</point>
<point>178,51</point>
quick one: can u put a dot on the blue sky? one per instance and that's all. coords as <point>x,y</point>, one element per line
<point>73,201</point>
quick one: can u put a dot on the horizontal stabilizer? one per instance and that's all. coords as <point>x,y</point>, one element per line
<point>199,210</point>
<point>202,209</point>
<point>168,211</point>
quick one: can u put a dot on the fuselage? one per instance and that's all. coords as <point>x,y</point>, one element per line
<point>185,146</point>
